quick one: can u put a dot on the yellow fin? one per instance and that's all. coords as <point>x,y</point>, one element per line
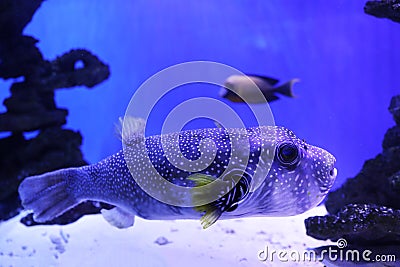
<point>203,195</point>
<point>201,179</point>
<point>211,216</point>
<point>212,213</point>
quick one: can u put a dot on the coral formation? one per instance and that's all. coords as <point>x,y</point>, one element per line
<point>384,9</point>
<point>358,224</point>
<point>31,107</point>
<point>366,209</point>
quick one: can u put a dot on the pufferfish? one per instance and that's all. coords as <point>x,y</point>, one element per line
<point>292,177</point>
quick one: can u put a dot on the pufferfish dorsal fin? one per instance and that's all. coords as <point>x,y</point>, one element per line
<point>134,129</point>
<point>218,125</point>
<point>212,212</point>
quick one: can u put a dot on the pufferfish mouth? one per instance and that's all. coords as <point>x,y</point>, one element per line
<point>333,173</point>
<point>324,187</point>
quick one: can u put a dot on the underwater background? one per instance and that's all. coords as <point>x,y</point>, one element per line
<point>345,59</point>
<point>347,63</point>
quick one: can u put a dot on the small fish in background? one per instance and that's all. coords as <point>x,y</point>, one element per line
<point>298,178</point>
<point>243,85</point>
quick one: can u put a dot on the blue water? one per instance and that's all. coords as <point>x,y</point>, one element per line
<point>347,62</point>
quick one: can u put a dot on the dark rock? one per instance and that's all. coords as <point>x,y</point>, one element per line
<point>358,223</point>
<point>19,57</point>
<point>370,185</point>
<point>392,138</point>
<point>9,206</point>
<point>68,74</point>
<point>29,100</point>
<point>394,182</point>
<point>11,164</point>
<point>52,149</point>
<point>32,121</point>
<point>366,209</point>
<point>384,9</point>
<point>31,107</point>
<point>15,15</point>
<point>394,108</point>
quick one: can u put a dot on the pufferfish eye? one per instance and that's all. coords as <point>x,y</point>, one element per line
<point>288,154</point>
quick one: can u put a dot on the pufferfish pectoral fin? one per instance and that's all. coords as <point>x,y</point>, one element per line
<point>211,216</point>
<point>118,217</point>
<point>200,179</point>
<point>212,212</point>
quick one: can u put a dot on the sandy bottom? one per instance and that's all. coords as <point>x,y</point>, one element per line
<point>93,242</point>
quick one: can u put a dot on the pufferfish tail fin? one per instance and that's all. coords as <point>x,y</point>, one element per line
<point>129,128</point>
<point>49,195</point>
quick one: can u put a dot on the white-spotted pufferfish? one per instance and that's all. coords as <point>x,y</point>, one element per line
<point>297,178</point>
